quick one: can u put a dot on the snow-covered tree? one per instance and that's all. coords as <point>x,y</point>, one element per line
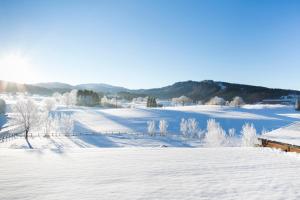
<point>216,101</point>
<point>163,126</point>
<point>215,135</point>
<point>2,106</point>
<point>151,128</point>
<point>184,127</point>
<point>27,116</point>
<point>237,101</point>
<point>249,137</point>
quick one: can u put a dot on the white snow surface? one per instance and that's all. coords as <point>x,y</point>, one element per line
<point>149,173</point>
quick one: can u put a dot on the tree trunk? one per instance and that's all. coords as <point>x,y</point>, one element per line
<point>26,138</point>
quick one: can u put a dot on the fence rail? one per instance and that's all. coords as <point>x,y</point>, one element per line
<point>9,135</point>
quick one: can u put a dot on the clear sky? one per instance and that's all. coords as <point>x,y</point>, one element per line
<point>151,43</point>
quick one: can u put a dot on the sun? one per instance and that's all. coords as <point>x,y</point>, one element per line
<point>17,67</point>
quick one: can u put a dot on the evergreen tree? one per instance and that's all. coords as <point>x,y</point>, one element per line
<point>151,102</point>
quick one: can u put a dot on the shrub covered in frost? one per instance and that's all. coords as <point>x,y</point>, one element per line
<point>237,101</point>
<point>163,126</point>
<point>151,128</point>
<point>215,135</point>
<point>216,101</point>
<point>189,127</point>
<point>184,127</point>
<point>193,127</point>
<point>249,137</point>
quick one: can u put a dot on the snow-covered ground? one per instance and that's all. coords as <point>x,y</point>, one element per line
<point>82,167</point>
<point>135,119</point>
<point>149,173</point>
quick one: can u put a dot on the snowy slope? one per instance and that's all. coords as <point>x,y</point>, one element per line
<point>135,119</point>
<point>141,173</point>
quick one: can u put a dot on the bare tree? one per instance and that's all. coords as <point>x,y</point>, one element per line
<point>27,116</point>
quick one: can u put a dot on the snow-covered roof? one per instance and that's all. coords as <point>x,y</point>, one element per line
<point>288,134</point>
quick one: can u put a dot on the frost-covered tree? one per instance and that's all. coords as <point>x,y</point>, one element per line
<point>151,128</point>
<point>49,104</point>
<point>2,106</point>
<point>57,97</point>
<point>66,124</point>
<point>237,101</point>
<point>27,116</point>
<point>216,101</point>
<point>69,98</point>
<point>47,124</point>
<point>163,127</point>
<point>183,100</point>
<point>249,137</point>
<point>184,127</point>
<point>193,127</point>
<point>215,135</point>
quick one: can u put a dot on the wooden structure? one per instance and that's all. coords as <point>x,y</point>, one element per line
<point>279,145</point>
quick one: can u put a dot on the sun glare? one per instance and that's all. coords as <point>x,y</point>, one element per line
<point>16,66</point>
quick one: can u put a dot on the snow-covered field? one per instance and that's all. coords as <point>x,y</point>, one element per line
<point>134,120</point>
<point>128,126</point>
<point>149,173</point>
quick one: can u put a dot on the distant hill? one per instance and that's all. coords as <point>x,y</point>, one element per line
<point>97,87</point>
<point>101,87</point>
<point>54,85</point>
<point>11,87</point>
<point>203,90</point>
<point>207,89</point>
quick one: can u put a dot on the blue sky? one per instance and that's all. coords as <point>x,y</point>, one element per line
<point>151,43</point>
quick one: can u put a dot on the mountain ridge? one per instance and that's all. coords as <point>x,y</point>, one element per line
<point>196,90</point>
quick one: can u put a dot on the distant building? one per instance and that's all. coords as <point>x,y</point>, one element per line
<point>284,100</point>
<point>277,101</point>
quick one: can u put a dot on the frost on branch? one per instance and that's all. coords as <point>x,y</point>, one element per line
<point>215,135</point>
<point>163,126</point>
<point>151,128</point>
<point>249,138</point>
